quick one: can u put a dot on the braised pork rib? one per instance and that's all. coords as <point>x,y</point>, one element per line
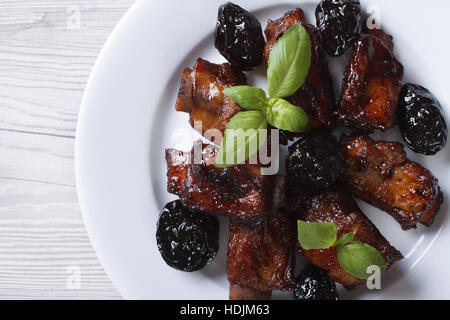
<point>338,206</point>
<point>316,96</point>
<point>240,191</point>
<point>261,255</point>
<point>371,84</point>
<point>381,174</point>
<point>201,96</point>
<point>238,292</point>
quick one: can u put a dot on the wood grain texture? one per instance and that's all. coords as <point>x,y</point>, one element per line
<point>42,243</point>
<point>45,60</point>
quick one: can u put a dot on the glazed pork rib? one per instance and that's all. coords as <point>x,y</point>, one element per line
<point>238,292</point>
<point>262,239</point>
<point>338,206</point>
<point>276,28</point>
<point>381,174</point>
<point>201,96</point>
<point>239,191</point>
<point>371,84</point>
<point>316,96</point>
<point>261,255</point>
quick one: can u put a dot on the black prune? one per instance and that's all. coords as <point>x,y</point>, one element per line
<point>421,120</point>
<point>315,162</point>
<point>339,24</point>
<point>314,283</point>
<point>239,37</point>
<point>187,240</point>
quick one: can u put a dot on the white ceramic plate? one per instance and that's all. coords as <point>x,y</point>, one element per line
<point>127,118</point>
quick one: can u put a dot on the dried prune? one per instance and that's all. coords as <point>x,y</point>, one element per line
<point>187,240</point>
<point>339,24</point>
<point>421,120</point>
<point>315,162</point>
<point>239,37</point>
<point>314,283</point>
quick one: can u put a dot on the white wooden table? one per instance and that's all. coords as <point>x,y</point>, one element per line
<point>47,50</point>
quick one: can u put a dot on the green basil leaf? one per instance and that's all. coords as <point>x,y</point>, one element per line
<point>242,138</point>
<point>283,115</point>
<point>344,239</point>
<point>289,62</point>
<point>355,257</point>
<point>316,235</point>
<point>247,97</point>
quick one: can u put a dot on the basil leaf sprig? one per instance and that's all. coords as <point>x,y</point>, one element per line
<point>354,256</point>
<point>288,68</point>
<point>284,115</point>
<point>316,235</point>
<point>243,138</point>
<point>289,62</point>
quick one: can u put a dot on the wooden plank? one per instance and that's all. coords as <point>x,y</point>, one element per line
<point>45,59</point>
<point>36,157</point>
<point>43,242</point>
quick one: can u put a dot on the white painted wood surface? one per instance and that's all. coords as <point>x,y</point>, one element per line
<point>45,61</point>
